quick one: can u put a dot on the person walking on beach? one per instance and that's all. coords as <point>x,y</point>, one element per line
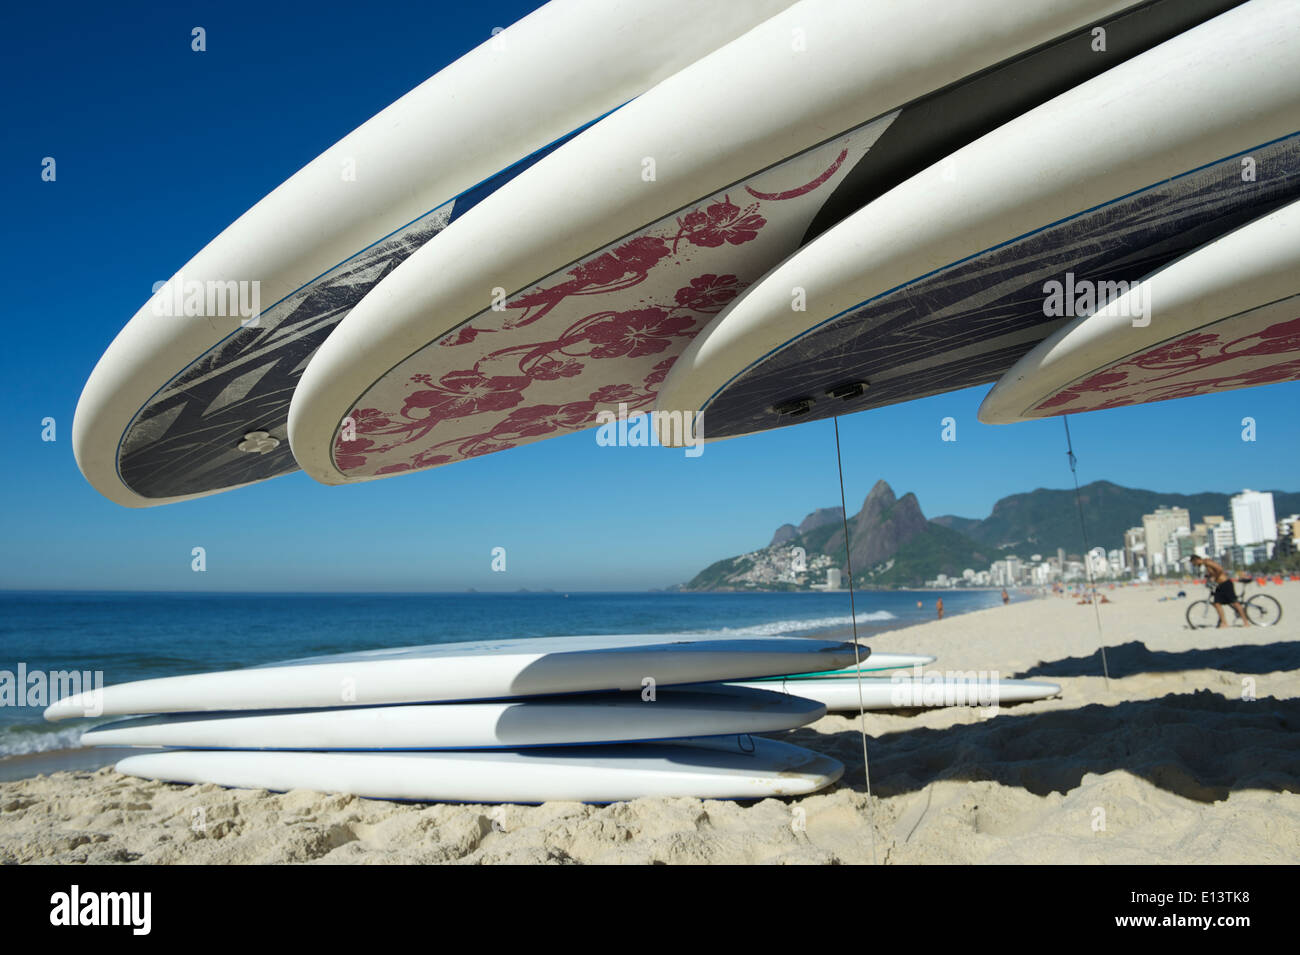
<point>938,604</point>
<point>1006,598</point>
<point>1225,593</point>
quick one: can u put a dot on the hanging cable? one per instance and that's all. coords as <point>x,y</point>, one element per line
<point>1087,564</point>
<point>857,660</point>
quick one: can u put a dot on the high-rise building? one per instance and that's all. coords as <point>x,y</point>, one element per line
<point>1161,526</point>
<point>1221,539</point>
<point>1252,517</point>
<point>1135,549</point>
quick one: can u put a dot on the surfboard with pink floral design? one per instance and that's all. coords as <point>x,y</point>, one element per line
<point>1222,317</point>
<point>583,326</point>
<point>1259,347</point>
<point>600,334</point>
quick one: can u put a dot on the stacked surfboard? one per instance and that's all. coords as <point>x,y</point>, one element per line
<point>863,687</point>
<point>594,719</point>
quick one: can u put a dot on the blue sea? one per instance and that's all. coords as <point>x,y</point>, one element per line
<point>136,636</point>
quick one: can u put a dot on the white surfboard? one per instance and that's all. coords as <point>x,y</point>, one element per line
<point>1222,317</point>
<point>481,670</point>
<point>896,693</point>
<point>943,282</point>
<point>609,254</point>
<point>586,719</point>
<point>731,768</point>
<point>191,398</point>
<point>875,663</point>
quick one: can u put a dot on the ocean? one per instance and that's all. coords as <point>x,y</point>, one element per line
<point>136,636</point>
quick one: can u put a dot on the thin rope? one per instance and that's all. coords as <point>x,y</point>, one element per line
<point>1087,564</point>
<point>857,660</point>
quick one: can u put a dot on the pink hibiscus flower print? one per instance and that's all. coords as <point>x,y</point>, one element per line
<point>635,257</point>
<point>659,373</point>
<point>635,333</point>
<point>720,222</point>
<point>459,394</point>
<point>367,420</point>
<point>708,293</point>
<point>351,454</point>
<point>612,394</point>
<point>537,420</point>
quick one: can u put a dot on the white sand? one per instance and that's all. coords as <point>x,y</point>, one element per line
<point>1166,765</point>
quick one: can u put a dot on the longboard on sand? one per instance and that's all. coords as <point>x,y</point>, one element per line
<point>945,281</point>
<point>577,720</point>
<point>480,670</point>
<point>612,252</point>
<point>895,693</point>
<point>744,768</point>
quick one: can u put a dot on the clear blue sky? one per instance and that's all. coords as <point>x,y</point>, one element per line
<point>159,148</point>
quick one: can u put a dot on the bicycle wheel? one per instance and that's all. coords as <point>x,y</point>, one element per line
<point>1200,614</point>
<point>1263,610</point>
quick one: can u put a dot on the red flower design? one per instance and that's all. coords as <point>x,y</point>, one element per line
<point>1282,337</point>
<point>537,420</point>
<point>635,257</point>
<point>351,454</point>
<point>708,293</point>
<point>366,420</point>
<point>462,393</point>
<point>634,334</point>
<point>612,394</point>
<point>552,370</point>
<point>659,373</point>
<point>1181,352</point>
<point>721,222</point>
<point>462,336</point>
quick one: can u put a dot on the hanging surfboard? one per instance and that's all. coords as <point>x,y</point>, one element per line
<point>191,397</point>
<point>608,255</point>
<point>1222,317</point>
<point>945,281</point>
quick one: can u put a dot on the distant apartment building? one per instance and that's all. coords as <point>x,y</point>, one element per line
<point>1159,528</point>
<point>833,579</point>
<point>1095,563</point>
<point>1005,573</point>
<point>1221,539</point>
<point>1135,549</point>
<point>1288,536</point>
<point>1253,518</point>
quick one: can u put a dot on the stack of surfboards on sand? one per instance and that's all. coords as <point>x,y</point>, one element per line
<point>595,719</point>
<point>738,216</point>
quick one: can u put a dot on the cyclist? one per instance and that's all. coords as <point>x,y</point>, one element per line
<point>1225,593</point>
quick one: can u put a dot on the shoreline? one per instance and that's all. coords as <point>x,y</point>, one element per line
<point>1169,761</point>
<point>26,764</point>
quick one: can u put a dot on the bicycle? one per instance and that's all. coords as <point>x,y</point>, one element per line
<point>1262,610</point>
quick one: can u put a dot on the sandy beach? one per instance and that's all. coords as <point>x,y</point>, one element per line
<point>1164,763</point>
